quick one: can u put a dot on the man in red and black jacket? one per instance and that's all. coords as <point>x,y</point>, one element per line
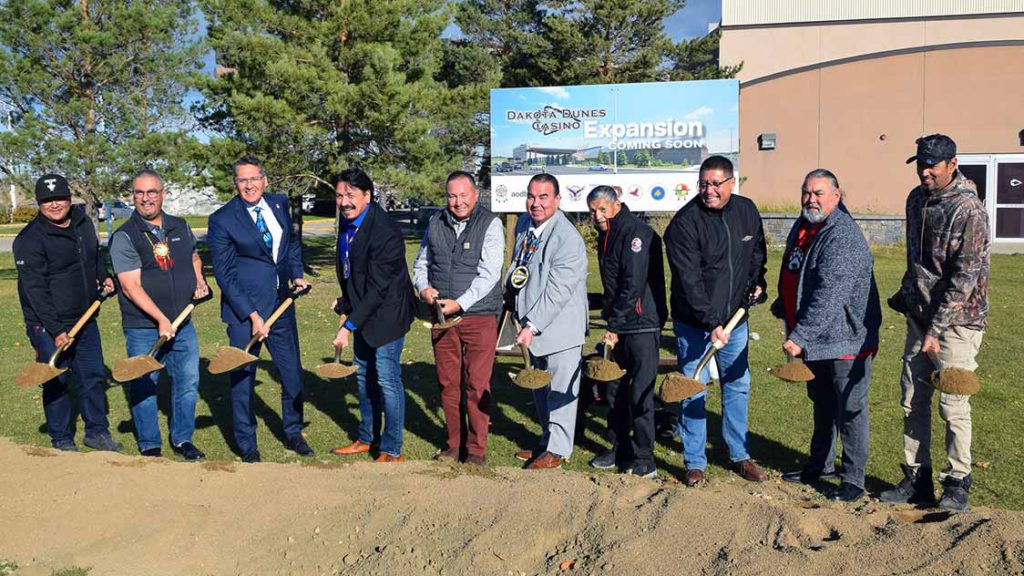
<point>633,281</point>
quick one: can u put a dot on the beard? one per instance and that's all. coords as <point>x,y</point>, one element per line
<point>814,216</point>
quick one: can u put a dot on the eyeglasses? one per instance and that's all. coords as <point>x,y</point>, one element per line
<point>704,184</point>
<point>152,193</point>
<point>247,181</point>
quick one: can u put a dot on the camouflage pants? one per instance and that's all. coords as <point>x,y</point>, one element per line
<point>958,346</point>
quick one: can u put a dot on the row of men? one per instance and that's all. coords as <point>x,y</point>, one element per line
<point>716,253</point>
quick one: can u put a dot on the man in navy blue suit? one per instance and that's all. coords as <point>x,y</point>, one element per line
<point>255,254</point>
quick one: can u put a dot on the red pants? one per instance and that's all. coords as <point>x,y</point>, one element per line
<point>464,358</point>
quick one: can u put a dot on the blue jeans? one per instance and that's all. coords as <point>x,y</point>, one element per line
<point>84,358</point>
<point>734,377</point>
<point>381,393</point>
<point>181,356</point>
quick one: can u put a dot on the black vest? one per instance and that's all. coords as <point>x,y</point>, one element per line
<point>170,290</point>
<point>454,261</point>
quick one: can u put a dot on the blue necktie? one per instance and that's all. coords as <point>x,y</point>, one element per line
<point>261,225</point>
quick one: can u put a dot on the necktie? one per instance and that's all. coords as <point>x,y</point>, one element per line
<point>261,225</point>
<point>345,242</point>
<point>524,254</point>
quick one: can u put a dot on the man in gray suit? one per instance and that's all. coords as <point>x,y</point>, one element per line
<point>548,281</point>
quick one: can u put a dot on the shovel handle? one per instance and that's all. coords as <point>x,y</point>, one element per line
<point>735,320</point>
<point>935,359</point>
<point>181,317</point>
<point>85,318</point>
<point>337,355</point>
<point>526,356</point>
<point>717,344</point>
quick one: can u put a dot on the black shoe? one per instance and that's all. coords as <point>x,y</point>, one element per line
<point>251,457</point>
<point>915,488</point>
<point>152,452</point>
<point>954,493</point>
<point>188,451</point>
<point>604,461</point>
<point>65,446</point>
<point>644,470</point>
<point>847,492</point>
<point>298,445</point>
<point>103,442</point>
<point>803,476</point>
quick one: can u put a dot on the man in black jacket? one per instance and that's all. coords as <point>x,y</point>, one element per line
<point>59,273</point>
<point>377,297</point>
<point>716,251</point>
<point>633,279</point>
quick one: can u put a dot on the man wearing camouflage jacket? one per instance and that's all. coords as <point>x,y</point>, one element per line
<point>944,295</point>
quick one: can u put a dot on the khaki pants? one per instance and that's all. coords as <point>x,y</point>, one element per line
<point>959,346</point>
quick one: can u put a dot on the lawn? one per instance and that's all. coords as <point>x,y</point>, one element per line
<point>779,412</point>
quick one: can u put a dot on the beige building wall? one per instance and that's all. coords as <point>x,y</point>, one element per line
<point>767,50</point>
<point>860,118</point>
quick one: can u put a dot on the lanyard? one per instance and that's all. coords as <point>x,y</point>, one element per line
<point>527,250</point>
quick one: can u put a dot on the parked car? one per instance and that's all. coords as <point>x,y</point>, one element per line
<point>598,168</point>
<point>118,210</point>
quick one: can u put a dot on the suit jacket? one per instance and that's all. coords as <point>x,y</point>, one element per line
<point>248,277</point>
<point>555,298</point>
<point>378,295</point>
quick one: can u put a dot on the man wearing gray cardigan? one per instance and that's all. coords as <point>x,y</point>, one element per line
<point>829,302</point>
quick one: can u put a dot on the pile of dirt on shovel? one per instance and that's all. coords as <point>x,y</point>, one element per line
<point>121,515</point>
<point>604,370</point>
<point>793,372</point>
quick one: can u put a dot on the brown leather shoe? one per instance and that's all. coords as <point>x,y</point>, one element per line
<point>693,477</point>
<point>749,470</point>
<point>356,447</point>
<point>385,457</point>
<point>476,460</point>
<point>544,461</point>
<point>449,455</point>
<point>525,455</point>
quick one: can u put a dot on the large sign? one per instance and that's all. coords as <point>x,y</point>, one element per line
<point>646,140</point>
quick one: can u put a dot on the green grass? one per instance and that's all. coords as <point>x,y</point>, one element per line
<point>72,571</point>
<point>779,412</point>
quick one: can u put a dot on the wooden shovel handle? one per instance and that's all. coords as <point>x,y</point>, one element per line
<point>526,356</point>
<point>735,320</point>
<point>85,318</point>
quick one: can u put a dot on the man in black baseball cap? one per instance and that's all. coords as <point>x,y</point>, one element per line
<point>59,271</point>
<point>944,296</point>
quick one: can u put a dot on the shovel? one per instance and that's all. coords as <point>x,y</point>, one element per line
<point>129,369</point>
<point>336,369</point>
<point>228,358</point>
<point>602,369</point>
<point>959,381</point>
<point>441,323</point>
<point>677,387</point>
<point>794,370</point>
<point>38,373</point>
<point>530,377</point>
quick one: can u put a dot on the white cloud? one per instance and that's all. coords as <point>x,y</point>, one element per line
<point>556,91</point>
<point>699,113</point>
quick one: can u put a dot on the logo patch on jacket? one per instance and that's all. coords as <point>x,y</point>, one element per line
<point>748,238</point>
<point>636,245</point>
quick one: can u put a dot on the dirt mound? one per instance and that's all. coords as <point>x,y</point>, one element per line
<point>124,515</point>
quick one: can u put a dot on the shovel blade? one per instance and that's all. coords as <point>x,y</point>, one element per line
<point>532,379</point>
<point>958,381</point>
<point>676,388</point>
<point>448,324</point>
<point>335,370</point>
<point>602,370</point>
<point>129,369</point>
<point>228,358</point>
<point>793,372</point>
<point>37,374</point>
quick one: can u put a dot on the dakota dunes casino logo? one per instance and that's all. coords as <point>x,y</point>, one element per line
<point>658,193</point>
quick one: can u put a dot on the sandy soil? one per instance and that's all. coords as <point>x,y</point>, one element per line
<point>127,515</point>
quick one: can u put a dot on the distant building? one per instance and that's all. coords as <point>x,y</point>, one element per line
<point>849,86</point>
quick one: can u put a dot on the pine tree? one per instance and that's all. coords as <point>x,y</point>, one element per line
<point>313,87</point>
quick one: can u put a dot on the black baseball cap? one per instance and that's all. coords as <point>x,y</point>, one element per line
<point>51,186</point>
<point>934,149</point>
